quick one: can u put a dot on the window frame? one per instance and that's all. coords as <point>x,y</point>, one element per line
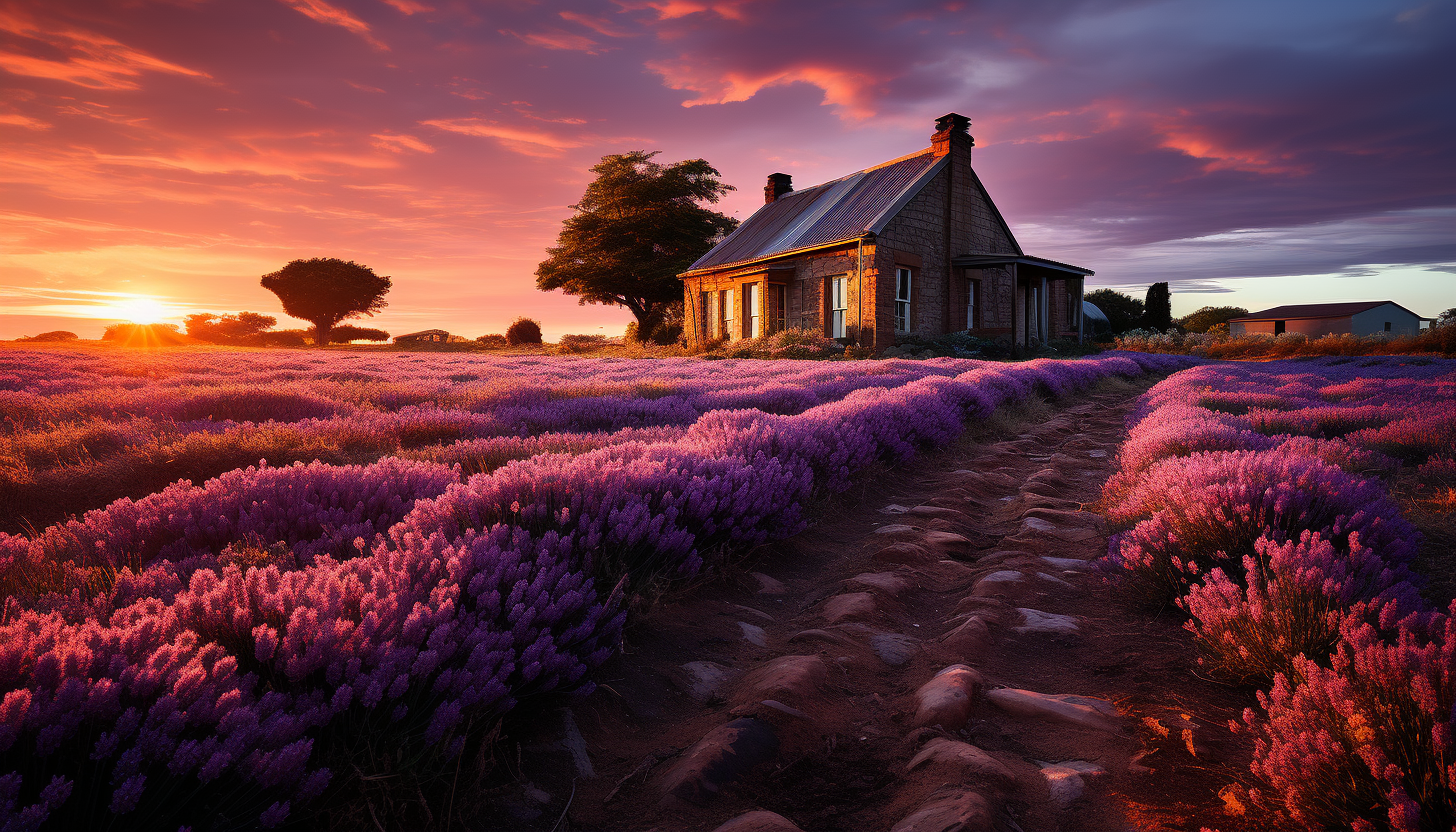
<point>904,294</point>
<point>839,306</point>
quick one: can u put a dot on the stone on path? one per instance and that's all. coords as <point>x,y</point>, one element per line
<point>848,606</point>
<point>1083,711</point>
<point>759,821</point>
<point>1036,621</point>
<point>1068,564</point>
<point>963,758</point>
<point>948,543</point>
<point>893,648</point>
<point>999,581</point>
<point>905,552</point>
<point>794,680</point>
<point>954,810</point>
<point>1066,780</point>
<point>707,681</point>
<point>946,700</point>
<point>889,583</point>
<point>753,634</point>
<point>896,530</point>
<point>760,615</point>
<point>769,586</point>
<point>724,755</point>
<point>969,640</point>
<point>827,636</point>
<point>936,511</point>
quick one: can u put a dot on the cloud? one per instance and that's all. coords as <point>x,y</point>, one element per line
<point>27,122</point>
<point>521,140</point>
<point>409,6</point>
<point>86,59</point>
<point>559,39</point>
<point>331,15</point>
<point>399,143</point>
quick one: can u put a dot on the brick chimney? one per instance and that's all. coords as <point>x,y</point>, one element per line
<point>778,185</point>
<point>951,128</point>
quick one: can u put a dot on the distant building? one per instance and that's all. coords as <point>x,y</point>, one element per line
<point>1374,317</point>
<point>429,336</point>
<point>913,246</point>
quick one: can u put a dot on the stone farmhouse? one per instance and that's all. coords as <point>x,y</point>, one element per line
<point>1372,317</point>
<point>430,336</point>
<point>914,246</point>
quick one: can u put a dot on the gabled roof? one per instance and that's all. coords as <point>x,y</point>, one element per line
<point>1299,311</point>
<point>838,211</point>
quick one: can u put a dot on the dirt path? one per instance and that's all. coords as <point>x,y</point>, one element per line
<point>935,654</point>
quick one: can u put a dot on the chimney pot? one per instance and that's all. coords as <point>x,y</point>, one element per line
<point>778,185</point>
<point>951,127</point>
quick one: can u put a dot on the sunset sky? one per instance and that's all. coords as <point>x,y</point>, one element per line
<point>1251,153</point>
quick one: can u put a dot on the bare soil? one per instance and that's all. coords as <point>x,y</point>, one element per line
<point>844,741</point>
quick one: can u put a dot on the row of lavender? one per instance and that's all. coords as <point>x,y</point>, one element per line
<point>1253,496</point>
<point>205,652</point>
<point>79,427</point>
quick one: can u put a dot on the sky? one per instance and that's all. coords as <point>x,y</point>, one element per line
<point>173,151</point>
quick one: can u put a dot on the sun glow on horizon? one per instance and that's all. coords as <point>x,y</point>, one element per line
<point>138,310</point>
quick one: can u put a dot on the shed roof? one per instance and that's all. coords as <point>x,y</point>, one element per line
<point>837,211</point>
<point>422,333</point>
<point>1299,311</point>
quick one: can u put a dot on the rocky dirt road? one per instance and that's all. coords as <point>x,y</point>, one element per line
<point>933,655</point>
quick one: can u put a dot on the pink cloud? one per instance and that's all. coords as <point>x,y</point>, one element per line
<point>521,140</point>
<point>88,59</point>
<point>409,6</point>
<point>331,15</point>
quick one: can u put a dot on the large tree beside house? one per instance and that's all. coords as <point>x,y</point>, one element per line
<point>637,226</point>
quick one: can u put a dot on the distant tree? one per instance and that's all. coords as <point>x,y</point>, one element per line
<point>344,333</point>
<point>1447,318</point>
<point>1207,317</point>
<point>493,341</point>
<point>286,337</point>
<point>54,336</point>
<point>144,335</point>
<point>1158,308</point>
<point>228,329</point>
<point>1123,311</point>
<point>636,228</point>
<point>326,290</point>
<point>523,331</point>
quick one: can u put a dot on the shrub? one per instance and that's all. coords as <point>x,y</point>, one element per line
<point>286,338</point>
<point>54,336</point>
<point>1294,598</point>
<point>493,341</point>
<point>344,333</point>
<point>523,331</point>
<point>1368,743</point>
<point>582,343</point>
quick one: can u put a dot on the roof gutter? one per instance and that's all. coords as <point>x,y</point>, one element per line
<point>775,256</point>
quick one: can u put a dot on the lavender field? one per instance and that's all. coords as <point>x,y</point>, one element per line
<point>1256,497</point>
<point>222,565</point>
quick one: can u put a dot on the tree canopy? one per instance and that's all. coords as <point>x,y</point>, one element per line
<point>1207,317</point>
<point>326,290</point>
<point>1123,312</point>
<point>1158,308</point>
<point>228,329</point>
<point>637,227</point>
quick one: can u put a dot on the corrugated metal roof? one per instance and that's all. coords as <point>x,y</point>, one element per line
<point>1315,310</point>
<point>839,210</point>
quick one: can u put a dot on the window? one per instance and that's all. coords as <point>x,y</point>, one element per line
<point>778,303</point>
<point>752,303</point>
<point>705,317</point>
<point>973,289</point>
<point>838,306</point>
<point>725,306</point>
<point>1387,326</point>
<point>1074,307</point>
<point>1278,327</point>
<point>902,300</point>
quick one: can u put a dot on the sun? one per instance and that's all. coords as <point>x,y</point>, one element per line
<point>140,310</point>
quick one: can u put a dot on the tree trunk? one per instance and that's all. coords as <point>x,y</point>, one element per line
<point>321,334</point>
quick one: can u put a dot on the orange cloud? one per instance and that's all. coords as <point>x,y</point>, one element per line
<point>409,6</point>
<point>525,142</point>
<point>844,88</point>
<point>87,59</point>
<point>668,9</point>
<point>596,24</point>
<point>24,121</point>
<point>557,39</point>
<point>332,15</point>
<point>399,144</point>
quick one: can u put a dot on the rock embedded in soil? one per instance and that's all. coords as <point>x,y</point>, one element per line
<point>850,605</point>
<point>896,530</point>
<point>1067,781</point>
<point>720,758</point>
<point>759,821</point>
<point>894,649</point>
<point>887,582</point>
<point>936,511</point>
<point>905,552</point>
<point>946,700</point>
<point>768,585</point>
<point>1036,621</point>
<point>1068,564</point>
<point>753,634</point>
<point>970,640</point>
<point>1083,711</point>
<point>961,758</point>
<point>947,543</point>
<point>952,810</point>
<point>794,680</point>
<point>707,681</point>
<point>826,636</point>
<point>998,581</point>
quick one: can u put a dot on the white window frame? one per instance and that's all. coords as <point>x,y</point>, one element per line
<point>752,310</point>
<point>838,306</point>
<point>725,313</point>
<point>904,285</point>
